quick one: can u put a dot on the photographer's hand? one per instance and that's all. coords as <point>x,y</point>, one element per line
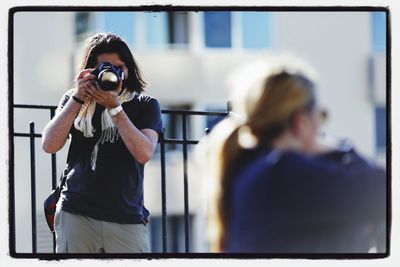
<point>108,99</point>
<point>83,83</point>
<point>140,143</point>
<point>56,132</point>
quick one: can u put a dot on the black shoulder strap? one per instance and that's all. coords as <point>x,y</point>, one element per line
<point>64,176</point>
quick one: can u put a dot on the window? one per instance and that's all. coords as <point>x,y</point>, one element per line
<point>256,29</point>
<point>171,30</point>
<point>166,30</point>
<point>156,34</point>
<point>379,32</point>
<point>148,29</point>
<point>380,129</point>
<point>82,24</point>
<point>217,29</point>
<point>247,29</point>
<point>178,31</point>
<point>173,125</point>
<point>122,24</point>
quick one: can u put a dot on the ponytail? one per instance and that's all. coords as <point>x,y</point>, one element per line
<point>224,151</point>
<point>229,154</point>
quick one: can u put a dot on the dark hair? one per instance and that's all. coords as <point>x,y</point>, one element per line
<point>102,43</point>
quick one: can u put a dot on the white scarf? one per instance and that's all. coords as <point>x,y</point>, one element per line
<point>109,132</point>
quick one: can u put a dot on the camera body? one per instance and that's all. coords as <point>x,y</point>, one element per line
<point>108,76</point>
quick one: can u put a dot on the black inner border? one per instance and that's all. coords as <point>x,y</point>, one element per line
<point>160,8</point>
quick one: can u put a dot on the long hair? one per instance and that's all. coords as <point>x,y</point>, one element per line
<point>263,105</point>
<point>110,43</point>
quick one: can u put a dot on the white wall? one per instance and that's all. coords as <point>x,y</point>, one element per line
<point>43,48</point>
<point>338,45</point>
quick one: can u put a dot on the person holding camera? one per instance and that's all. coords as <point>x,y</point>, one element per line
<point>114,130</point>
<point>278,188</point>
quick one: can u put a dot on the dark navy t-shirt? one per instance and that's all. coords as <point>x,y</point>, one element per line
<point>114,191</point>
<point>291,203</point>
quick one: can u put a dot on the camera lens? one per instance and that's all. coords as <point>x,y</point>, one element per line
<point>108,80</point>
<point>108,76</point>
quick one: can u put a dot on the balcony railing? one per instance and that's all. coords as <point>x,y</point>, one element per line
<point>163,141</point>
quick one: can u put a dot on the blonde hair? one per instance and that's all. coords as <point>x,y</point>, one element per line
<point>265,96</point>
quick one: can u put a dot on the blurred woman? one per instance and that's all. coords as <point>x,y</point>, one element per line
<point>278,190</point>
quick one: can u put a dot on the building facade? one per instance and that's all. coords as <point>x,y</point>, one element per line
<point>186,58</point>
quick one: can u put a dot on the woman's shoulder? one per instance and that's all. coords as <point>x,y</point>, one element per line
<point>344,163</point>
<point>147,103</point>
<point>145,98</point>
<point>297,162</point>
<point>144,107</point>
<point>257,161</point>
<point>143,101</point>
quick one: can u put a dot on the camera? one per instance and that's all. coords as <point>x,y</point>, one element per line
<point>108,76</point>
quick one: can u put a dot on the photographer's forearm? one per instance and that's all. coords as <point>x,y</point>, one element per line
<point>139,144</point>
<point>55,134</point>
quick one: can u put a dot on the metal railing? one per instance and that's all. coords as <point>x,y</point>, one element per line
<point>184,141</point>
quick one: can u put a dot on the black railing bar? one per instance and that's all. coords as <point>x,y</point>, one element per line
<point>166,140</point>
<point>53,176</point>
<point>53,171</point>
<point>53,160</point>
<point>165,111</point>
<point>52,113</point>
<point>194,112</point>
<point>35,106</point>
<point>54,185</point>
<point>33,187</point>
<point>11,187</point>
<point>163,197</point>
<point>27,135</point>
<point>181,141</point>
<point>185,183</point>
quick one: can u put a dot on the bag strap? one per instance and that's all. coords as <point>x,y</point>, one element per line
<point>64,176</point>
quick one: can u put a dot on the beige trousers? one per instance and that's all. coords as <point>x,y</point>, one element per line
<point>81,234</point>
